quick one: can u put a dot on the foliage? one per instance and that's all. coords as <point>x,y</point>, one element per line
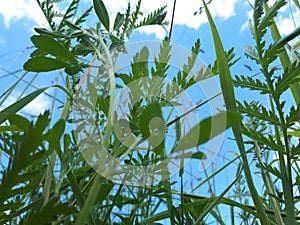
<point>46,179</point>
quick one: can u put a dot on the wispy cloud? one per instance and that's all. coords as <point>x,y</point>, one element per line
<point>38,105</point>
<point>184,14</point>
<point>25,9</point>
<point>286,22</point>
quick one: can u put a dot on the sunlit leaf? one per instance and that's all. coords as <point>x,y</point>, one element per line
<point>208,128</point>
<point>54,34</point>
<point>10,128</point>
<point>119,21</point>
<point>44,64</point>
<point>101,12</point>
<point>55,135</point>
<point>53,47</point>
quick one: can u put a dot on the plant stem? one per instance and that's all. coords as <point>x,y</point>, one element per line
<point>269,187</point>
<point>230,102</point>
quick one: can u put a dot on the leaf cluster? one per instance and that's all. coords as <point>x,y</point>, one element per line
<point>279,117</point>
<point>20,181</point>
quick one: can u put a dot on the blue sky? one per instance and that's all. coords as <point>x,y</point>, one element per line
<point>18,18</point>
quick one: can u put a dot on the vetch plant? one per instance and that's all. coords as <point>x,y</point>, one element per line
<point>127,126</point>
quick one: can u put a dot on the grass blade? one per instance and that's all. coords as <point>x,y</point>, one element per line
<point>214,203</point>
<point>230,102</point>
<point>15,107</point>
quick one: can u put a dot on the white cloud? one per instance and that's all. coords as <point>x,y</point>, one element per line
<point>284,19</point>
<point>286,24</point>
<point>16,10</point>
<point>38,105</point>
<point>184,13</point>
<point>114,6</point>
<point>158,31</point>
<point>246,24</point>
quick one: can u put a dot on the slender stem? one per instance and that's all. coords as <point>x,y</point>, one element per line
<point>74,185</point>
<point>287,182</point>
<point>108,213</point>
<point>269,187</point>
<point>172,21</point>
<point>111,74</point>
<point>96,188</point>
<point>285,168</point>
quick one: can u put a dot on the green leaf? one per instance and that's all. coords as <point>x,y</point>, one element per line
<point>19,121</point>
<point>294,48</point>
<point>253,110</point>
<point>139,66</point>
<point>251,53</point>
<point>72,70</point>
<point>159,19</point>
<point>125,78</point>
<point>261,138</point>
<point>25,158</point>
<point>290,76</point>
<point>293,115</point>
<point>208,128</point>
<point>50,212</point>
<point>125,221</point>
<point>69,13</point>
<point>72,26</point>
<point>230,102</point>
<point>81,19</point>
<point>278,46</point>
<point>67,142</point>
<point>116,44</point>
<point>270,14</point>
<point>120,18</point>
<point>15,107</point>
<point>135,14</point>
<point>10,128</point>
<point>152,110</point>
<point>285,59</point>
<point>44,64</point>
<point>252,84</point>
<point>101,12</point>
<point>53,47</point>
<point>55,135</point>
<point>97,189</point>
<point>155,18</point>
<point>153,127</point>
<point>156,217</point>
<point>273,170</point>
<point>295,133</point>
<point>54,34</point>
<point>198,155</point>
